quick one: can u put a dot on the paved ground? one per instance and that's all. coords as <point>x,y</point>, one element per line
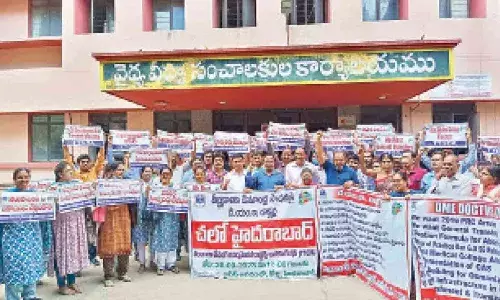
<point>182,287</point>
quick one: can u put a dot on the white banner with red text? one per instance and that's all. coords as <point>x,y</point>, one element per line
<point>118,191</point>
<point>73,196</point>
<point>168,199</point>
<point>26,206</point>
<point>126,139</point>
<point>78,135</point>
<point>260,235</point>
<point>445,135</point>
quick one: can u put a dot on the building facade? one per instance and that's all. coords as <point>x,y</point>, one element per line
<point>167,64</point>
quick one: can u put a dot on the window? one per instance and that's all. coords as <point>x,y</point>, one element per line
<point>168,14</point>
<point>237,13</point>
<point>46,18</point>
<point>46,137</point>
<point>307,12</point>
<point>377,10</point>
<point>176,122</point>
<point>453,113</point>
<point>111,121</point>
<point>382,115</point>
<point>453,9</point>
<point>102,16</point>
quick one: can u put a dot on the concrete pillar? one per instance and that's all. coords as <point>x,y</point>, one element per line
<point>415,116</point>
<point>141,120</point>
<point>489,117</point>
<point>202,121</point>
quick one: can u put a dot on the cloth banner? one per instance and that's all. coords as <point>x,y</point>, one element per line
<point>261,235</point>
<point>231,142</point>
<point>26,206</point>
<point>77,135</point>
<point>368,133</point>
<point>182,143</point>
<point>118,191</point>
<point>286,135</point>
<point>336,140</point>
<point>457,247</point>
<point>170,200</point>
<point>394,144</point>
<point>445,135</point>
<point>74,195</point>
<point>489,145</point>
<point>155,158</point>
<point>361,234</point>
<point>125,140</point>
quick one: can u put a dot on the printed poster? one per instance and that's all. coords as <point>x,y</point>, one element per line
<point>182,143</point>
<point>155,158</point>
<point>367,134</point>
<point>118,191</point>
<point>74,195</point>
<point>78,135</point>
<point>26,206</point>
<point>445,135</point>
<point>261,235</point>
<point>395,144</point>
<point>231,142</point>
<point>284,136</point>
<point>488,146</point>
<point>336,140</point>
<point>169,200</point>
<point>125,139</point>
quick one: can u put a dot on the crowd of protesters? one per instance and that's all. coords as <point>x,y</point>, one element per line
<point>74,240</point>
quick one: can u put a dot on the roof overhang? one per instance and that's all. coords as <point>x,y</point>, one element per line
<point>371,73</point>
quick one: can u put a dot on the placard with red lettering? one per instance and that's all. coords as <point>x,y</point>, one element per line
<point>73,196</point>
<point>336,140</point>
<point>366,134</point>
<point>26,206</point>
<point>166,199</point>
<point>361,234</point>
<point>231,142</point>
<point>394,144</point>
<point>125,139</point>
<point>176,142</point>
<point>204,142</point>
<point>457,248</point>
<point>155,158</point>
<point>78,135</point>
<point>260,235</point>
<point>488,146</point>
<point>445,135</point>
<point>118,191</point>
<point>284,136</point>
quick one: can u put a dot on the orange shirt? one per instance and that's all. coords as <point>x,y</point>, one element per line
<point>93,173</point>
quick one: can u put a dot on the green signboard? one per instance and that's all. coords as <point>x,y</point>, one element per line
<point>320,68</point>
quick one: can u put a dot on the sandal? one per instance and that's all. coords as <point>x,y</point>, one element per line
<point>75,288</point>
<point>66,291</point>
<point>175,270</point>
<point>109,283</point>
<point>125,278</point>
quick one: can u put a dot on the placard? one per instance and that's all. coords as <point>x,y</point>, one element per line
<point>366,134</point>
<point>231,142</point>
<point>284,136</point>
<point>445,135</point>
<point>26,206</point>
<point>41,185</point>
<point>118,191</point>
<point>73,196</point>
<point>336,140</point>
<point>488,146</point>
<point>177,142</point>
<point>395,144</point>
<point>155,158</point>
<point>361,234</point>
<point>78,135</point>
<point>457,247</point>
<point>262,235</point>
<point>170,200</point>
<point>204,142</point>
<point>125,139</point>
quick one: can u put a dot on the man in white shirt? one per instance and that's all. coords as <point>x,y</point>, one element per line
<point>235,180</point>
<point>178,167</point>
<point>451,183</point>
<point>294,169</point>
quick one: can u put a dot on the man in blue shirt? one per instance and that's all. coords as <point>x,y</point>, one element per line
<point>268,179</point>
<point>337,172</point>
<point>429,178</point>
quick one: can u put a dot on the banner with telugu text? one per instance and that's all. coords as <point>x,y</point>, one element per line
<point>261,235</point>
<point>457,247</point>
<point>26,206</point>
<point>118,191</point>
<point>361,234</point>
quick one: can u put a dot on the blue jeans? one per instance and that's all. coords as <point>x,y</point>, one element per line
<point>15,292</point>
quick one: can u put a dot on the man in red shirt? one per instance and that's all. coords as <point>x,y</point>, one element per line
<point>414,172</point>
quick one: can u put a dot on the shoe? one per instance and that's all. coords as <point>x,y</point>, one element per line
<point>142,269</point>
<point>109,283</point>
<point>125,278</point>
<point>159,272</point>
<point>174,269</point>
<point>75,288</point>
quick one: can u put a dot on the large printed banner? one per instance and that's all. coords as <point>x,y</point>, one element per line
<point>168,200</point>
<point>77,135</point>
<point>231,142</point>
<point>26,206</point>
<point>262,235</point>
<point>336,140</point>
<point>445,135</point>
<point>118,191</point>
<point>74,195</point>
<point>284,136</point>
<point>489,145</point>
<point>395,144</point>
<point>361,234</point>
<point>457,248</point>
<point>155,158</point>
<point>126,140</point>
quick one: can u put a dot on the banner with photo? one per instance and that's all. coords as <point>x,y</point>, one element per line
<point>26,206</point>
<point>78,135</point>
<point>262,235</point>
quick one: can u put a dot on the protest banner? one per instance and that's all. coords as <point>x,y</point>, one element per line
<point>176,142</point>
<point>204,142</point>
<point>445,135</point>
<point>170,200</point>
<point>78,135</point>
<point>231,142</point>
<point>258,142</point>
<point>283,136</point>
<point>118,191</point>
<point>261,235</point>
<point>74,195</point>
<point>26,206</point>
<point>155,158</point>
<point>457,247</point>
<point>394,144</point>
<point>336,140</point>
<point>488,146</point>
<point>40,185</point>
<point>361,234</point>
<point>366,134</point>
<point>125,140</point>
